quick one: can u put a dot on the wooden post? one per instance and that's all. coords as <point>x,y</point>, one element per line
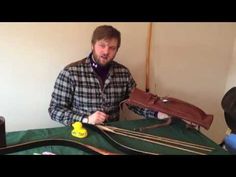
<point>149,37</point>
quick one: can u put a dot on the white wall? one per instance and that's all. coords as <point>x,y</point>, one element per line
<point>231,79</point>
<point>190,61</point>
<point>32,55</point>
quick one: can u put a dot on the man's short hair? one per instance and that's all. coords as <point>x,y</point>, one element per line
<point>106,32</point>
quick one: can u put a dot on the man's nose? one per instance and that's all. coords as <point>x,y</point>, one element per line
<point>106,50</point>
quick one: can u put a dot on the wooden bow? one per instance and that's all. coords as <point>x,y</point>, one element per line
<point>168,142</point>
<point>49,142</point>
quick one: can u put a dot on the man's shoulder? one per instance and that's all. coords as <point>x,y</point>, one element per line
<point>76,63</point>
<point>119,66</point>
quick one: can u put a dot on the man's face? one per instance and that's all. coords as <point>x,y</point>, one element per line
<point>104,51</point>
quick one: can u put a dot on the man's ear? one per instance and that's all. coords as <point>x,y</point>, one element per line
<point>93,45</point>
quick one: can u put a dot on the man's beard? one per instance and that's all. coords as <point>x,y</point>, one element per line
<point>97,60</point>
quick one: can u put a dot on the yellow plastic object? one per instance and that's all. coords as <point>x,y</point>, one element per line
<point>77,125</point>
<point>79,131</point>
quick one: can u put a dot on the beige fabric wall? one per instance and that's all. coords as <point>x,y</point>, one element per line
<point>231,78</point>
<point>190,61</point>
<point>32,55</point>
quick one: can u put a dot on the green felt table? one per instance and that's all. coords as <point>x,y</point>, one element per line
<point>177,130</point>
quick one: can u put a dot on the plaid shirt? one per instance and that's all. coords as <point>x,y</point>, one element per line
<point>79,92</point>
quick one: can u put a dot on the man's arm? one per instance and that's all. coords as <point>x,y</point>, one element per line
<point>140,111</point>
<point>61,102</point>
<point>143,112</point>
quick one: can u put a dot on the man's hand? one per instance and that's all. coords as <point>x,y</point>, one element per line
<point>161,115</point>
<point>97,118</point>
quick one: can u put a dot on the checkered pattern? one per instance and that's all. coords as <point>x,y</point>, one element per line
<point>79,92</point>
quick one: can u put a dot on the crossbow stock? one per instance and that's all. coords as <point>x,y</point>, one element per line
<point>171,106</point>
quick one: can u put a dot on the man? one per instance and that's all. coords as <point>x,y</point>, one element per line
<point>90,90</point>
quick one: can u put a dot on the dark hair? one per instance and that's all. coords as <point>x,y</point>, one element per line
<point>230,121</point>
<point>106,32</point>
<point>228,104</point>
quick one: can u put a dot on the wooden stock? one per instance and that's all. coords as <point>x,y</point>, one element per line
<point>171,106</point>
